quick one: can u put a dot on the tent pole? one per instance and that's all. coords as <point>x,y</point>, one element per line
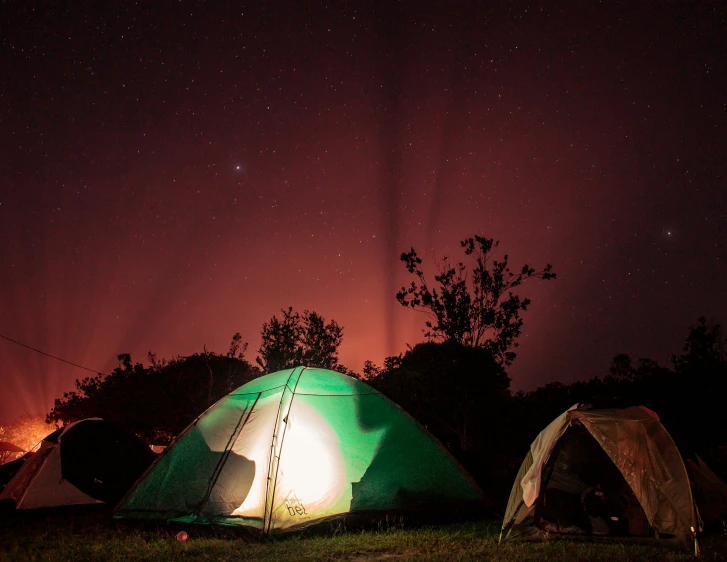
<point>696,544</point>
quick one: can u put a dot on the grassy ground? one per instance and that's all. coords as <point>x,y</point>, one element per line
<point>84,536</point>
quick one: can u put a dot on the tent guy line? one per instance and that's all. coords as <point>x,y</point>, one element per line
<point>52,356</point>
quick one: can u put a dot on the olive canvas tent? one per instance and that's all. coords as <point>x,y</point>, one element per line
<point>609,472</point>
<point>295,448</point>
<point>87,462</point>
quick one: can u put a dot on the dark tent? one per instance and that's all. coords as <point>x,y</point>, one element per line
<point>90,461</point>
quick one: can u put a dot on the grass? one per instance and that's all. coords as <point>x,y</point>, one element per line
<point>79,536</point>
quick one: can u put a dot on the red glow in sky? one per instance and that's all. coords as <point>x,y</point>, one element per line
<point>171,177</point>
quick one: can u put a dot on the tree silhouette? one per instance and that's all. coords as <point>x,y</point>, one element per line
<point>622,367</point>
<point>704,349</point>
<point>481,312</point>
<point>688,398</point>
<point>462,396</point>
<point>158,401</point>
<point>298,339</point>
<point>237,348</point>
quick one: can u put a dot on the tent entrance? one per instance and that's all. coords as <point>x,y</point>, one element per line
<point>584,493</point>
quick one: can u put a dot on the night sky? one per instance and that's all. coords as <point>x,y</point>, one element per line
<point>172,173</point>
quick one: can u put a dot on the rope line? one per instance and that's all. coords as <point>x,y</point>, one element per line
<point>51,356</point>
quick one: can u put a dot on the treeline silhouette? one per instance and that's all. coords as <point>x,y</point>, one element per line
<point>463,397</point>
<point>455,384</point>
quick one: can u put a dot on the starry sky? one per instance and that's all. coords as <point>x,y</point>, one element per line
<point>172,173</point>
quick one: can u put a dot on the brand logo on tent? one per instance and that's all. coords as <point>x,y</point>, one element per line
<point>295,506</point>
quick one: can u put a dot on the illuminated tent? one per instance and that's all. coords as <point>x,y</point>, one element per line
<point>295,448</point>
<point>86,462</point>
<point>610,472</point>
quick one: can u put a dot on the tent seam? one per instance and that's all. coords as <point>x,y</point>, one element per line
<point>282,440</point>
<point>266,515</point>
<point>233,393</point>
<point>352,394</point>
<point>650,478</point>
<point>161,455</point>
<point>231,441</point>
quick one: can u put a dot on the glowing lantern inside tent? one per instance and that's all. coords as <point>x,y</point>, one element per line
<point>311,475</point>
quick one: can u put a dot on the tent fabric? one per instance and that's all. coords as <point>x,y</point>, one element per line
<point>294,448</point>
<point>710,492</point>
<point>10,469</point>
<point>102,459</point>
<point>544,442</point>
<point>87,462</point>
<point>651,473</point>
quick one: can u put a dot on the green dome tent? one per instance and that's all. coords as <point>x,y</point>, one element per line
<point>295,448</point>
<point>610,472</point>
